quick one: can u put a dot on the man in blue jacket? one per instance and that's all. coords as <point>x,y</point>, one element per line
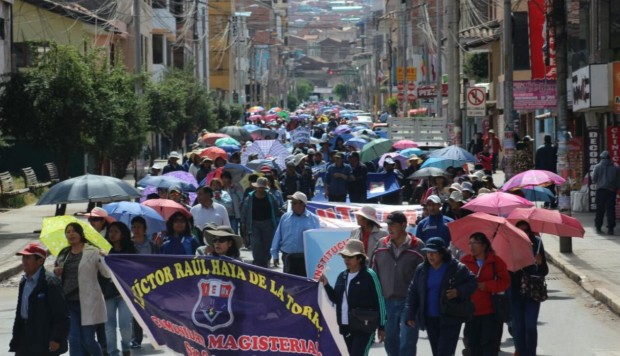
<point>434,225</point>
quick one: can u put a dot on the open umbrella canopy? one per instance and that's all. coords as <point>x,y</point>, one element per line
<point>255,109</point>
<point>548,221</point>
<point>497,203</point>
<point>166,207</point>
<point>454,153</point>
<point>510,243</point>
<point>342,129</point>
<point>404,144</point>
<point>257,164</point>
<point>227,141</point>
<point>427,172</point>
<point>211,137</point>
<point>274,110</point>
<point>238,133</point>
<point>411,151</point>
<point>533,177</point>
<point>125,211</point>
<point>536,193</point>
<point>213,153</point>
<point>440,162</point>
<point>267,149</point>
<point>264,134</point>
<point>89,188</point>
<point>270,117</point>
<point>250,127</point>
<point>255,118</point>
<point>53,233</point>
<point>396,157</point>
<point>356,142</point>
<point>230,148</point>
<point>284,115</point>
<point>184,176</point>
<point>374,149</point>
<point>166,182</point>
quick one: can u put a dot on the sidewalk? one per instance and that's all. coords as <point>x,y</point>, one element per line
<point>594,263</point>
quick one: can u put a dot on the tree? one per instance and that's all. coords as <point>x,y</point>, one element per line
<point>392,104</point>
<point>291,102</point>
<point>304,89</point>
<point>476,66</point>
<point>342,91</point>
<point>51,104</point>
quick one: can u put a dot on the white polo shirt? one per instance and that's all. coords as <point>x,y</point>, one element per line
<point>216,214</point>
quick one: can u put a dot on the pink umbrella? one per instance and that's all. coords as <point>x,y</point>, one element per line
<point>509,243</point>
<point>396,157</point>
<point>548,221</point>
<point>211,137</point>
<point>533,177</point>
<point>497,203</point>
<point>255,118</point>
<point>271,117</point>
<point>166,207</point>
<point>404,144</point>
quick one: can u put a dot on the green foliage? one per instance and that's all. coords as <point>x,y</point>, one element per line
<point>392,104</point>
<point>291,102</point>
<point>342,91</point>
<point>476,67</point>
<point>304,89</point>
<point>236,114</point>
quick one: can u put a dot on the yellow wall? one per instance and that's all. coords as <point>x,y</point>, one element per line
<point>219,53</point>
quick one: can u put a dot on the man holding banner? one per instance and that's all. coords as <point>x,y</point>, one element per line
<point>288,238</point>
<point>338,174</point>
<point>396,258</point>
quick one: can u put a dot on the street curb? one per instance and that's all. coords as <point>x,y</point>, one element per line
<point>603,295</point>
<point>10,270</point>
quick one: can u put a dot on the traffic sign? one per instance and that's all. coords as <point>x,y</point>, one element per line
<point>412,73</point>
<point>400,74</point>
<point>411,86</point>
<point>400,86</point>
<point>476,101</point>
<point>401,96</point>
<point>411,97</point>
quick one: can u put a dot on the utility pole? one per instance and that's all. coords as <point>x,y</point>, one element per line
<point>507,48</point>
<point>563,167</point>
<point>438,71</point>
<point>403,43</point>
<point>138,37</point>
<point>205,49</point>
<point>389,58</point>
<point>454,55</point>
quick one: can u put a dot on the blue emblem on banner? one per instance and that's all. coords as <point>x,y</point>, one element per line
<point>213,310</point>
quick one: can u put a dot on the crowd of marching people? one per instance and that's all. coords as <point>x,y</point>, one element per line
<point>400,278</point>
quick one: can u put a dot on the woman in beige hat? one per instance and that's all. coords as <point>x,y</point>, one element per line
<point>369,230</point>
<point>359,301</point>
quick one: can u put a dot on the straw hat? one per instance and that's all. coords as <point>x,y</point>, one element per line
<point>353,247</point>
<point>369,213</point>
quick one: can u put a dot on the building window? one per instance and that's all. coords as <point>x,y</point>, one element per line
<point>159,4</point>
<point>521,41</point>
<point>2,32</point>
<point>158,49</point>
<point>27,53</point>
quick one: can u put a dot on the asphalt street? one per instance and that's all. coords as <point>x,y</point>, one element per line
<point>571,323</point>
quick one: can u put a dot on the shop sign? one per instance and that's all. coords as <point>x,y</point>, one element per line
<point>534,94</point>
<point>615,96</point>
<point>593,147</point>
<point>613,147</point>
<point>430,91</point>
<point>589,87</point>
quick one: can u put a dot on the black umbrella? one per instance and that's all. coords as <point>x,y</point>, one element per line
<point>238,133</point>
<point>427,172</point>
<point>89,188</point>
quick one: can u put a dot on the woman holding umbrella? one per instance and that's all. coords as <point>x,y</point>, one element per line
<point>481,332</point>
<point>179,239</point>
<point>77,266</point>
<point>525,309</point>
<point>119,236</point>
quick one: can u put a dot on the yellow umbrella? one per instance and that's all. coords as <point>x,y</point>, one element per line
<point>53,234</point>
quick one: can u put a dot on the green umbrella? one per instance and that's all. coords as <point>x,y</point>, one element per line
<point>226,141</point>
<point>284,115</point>
<point>375,149</point>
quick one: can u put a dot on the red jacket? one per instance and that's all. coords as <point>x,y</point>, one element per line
<point>486,161</point>
<point>482,297</point>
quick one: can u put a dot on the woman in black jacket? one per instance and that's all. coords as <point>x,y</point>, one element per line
<point>357,288</point>
<point>439,297</point>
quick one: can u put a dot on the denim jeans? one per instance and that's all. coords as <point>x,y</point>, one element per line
<point>123,322</point>
<point>261,238</point>
<point>234,224</point>
<point>81,337</point>
<point>524,323</point>
<point>442,336</point>
<point>400,339</point>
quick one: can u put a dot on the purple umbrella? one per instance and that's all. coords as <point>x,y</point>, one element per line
<point>184,176</point>
<point>396,157</point>
<point>342,129</point>
<point>267,149</point>
<point>151,190</point>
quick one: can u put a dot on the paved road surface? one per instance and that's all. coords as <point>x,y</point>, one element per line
<point>571,323</point>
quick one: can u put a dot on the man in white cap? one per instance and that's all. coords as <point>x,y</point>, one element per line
<point>434,225</point>
<point>174,160</point>
<point>289,235</point>
<point>41,324</point>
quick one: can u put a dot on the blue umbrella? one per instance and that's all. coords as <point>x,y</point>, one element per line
<point>412,151</point>
<point>166,182</point>
<point>442,163</point>
<point>230,148</point>
<point>356,142</point>
<point>125,211</point>
<point>455,153</point>
<point>251,127</point>
<point>537,193</point>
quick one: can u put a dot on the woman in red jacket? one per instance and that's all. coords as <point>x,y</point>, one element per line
<point>481,331</point>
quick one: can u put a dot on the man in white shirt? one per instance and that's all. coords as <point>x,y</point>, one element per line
<point>208,211</point>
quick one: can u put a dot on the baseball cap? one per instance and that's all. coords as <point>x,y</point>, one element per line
<point>434,244</point>
<point>457,196</point>
<point>299,196</point>
<point>175,188</point>
<point>311,151</point>
<point>396,217</point>
<point>388,160</point>
<point>433,199</point>
<point>33,248</point>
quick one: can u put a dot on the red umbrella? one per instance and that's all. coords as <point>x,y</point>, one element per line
<point>211,137</point>
<point>270,117</point>
<point>213,153</point>
<point>497,203</point>
<point>548,221</point>
<point>533,177</point>
<point>509,243</point>
<point>166,207</point>
<point>255,118</point>
<point>404,144</point>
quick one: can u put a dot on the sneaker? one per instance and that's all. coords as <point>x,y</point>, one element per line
<point>135,345</point>
<point>599,230</point>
